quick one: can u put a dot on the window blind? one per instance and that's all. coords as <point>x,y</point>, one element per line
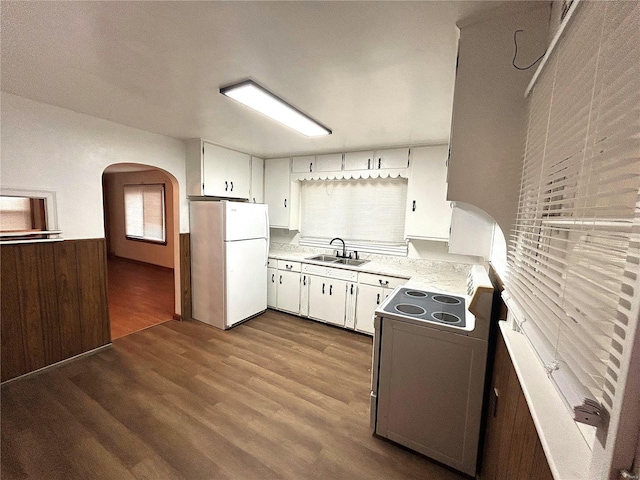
<point>16,213</point>
<point>574,255</point>
<point>144,212</point>
<point>366,212</point>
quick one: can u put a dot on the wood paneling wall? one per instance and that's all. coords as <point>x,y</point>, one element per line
<point>185,275</point>
<point>54,303</point>
<point>512,448</point>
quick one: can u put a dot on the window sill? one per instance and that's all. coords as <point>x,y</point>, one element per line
<point>566,448</point>
<point>144,240</point>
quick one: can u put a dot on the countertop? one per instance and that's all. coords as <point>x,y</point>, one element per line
<point>424,274</point>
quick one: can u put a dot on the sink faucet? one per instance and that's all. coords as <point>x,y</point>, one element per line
<point>344,247</point>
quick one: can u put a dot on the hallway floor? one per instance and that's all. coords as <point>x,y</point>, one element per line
<point>140,295</point>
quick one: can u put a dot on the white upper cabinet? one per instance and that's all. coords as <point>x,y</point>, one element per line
<point>217,171</point>
<point>380,159</point>
<point>358,160</point>
<point>331,162</point>
<point>392,158</point>
<point>281,194</point>
<point>303,164</point>
<point>428,214</point>
<point>257,180</point>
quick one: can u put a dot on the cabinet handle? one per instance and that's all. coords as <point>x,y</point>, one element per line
<point>288,267</point>
<point>273,278</point>
<point>368,164</point>
<point>378,299</point>
<point>285,203</point>
<point>413,208</point>
<point>280,279</point>
<point>323,288</point>
<point>232,186</point>
<point>384,284</point>
<point>311,166</point>
<point>379,162</point>
<point>330,289</point>
<point>304,280</point>
<point>352,289</point>
<point>226,186</point>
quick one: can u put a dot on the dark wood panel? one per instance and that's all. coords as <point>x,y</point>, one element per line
<point>31,314</point>
<point>48,303</point>
<point>185,275</point>
<point>68,294</point>
<point>13,352</point>
<point>54,303</point>
<point>512,448</point>
<point>94,310</point>
<point>184,400</point>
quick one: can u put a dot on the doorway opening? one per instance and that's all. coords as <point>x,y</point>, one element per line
<point>141,229</point>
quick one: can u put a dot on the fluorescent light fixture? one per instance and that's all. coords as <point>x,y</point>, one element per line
<point>254,96</point>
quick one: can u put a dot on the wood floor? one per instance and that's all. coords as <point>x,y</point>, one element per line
<point>140,295</point>
<point>277,397</point>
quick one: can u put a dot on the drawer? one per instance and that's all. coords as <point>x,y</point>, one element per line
<point>381,280</point>
<point>338,273</point>
<point>288,265</point>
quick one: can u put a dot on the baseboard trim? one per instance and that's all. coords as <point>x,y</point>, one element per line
<point>177,316</point>
<point>56,365</point>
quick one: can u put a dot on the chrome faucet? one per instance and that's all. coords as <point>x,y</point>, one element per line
<point>344,247</point>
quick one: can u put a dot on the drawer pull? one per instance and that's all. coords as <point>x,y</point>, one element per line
<point>288,267</point>
<point>384,283</point>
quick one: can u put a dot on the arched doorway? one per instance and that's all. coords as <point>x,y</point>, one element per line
<point>141,216</point>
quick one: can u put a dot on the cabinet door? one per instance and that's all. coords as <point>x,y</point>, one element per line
<point>277,192</point>
<point>288,291</point>
<point>226,173</point>
<point>327,299</point>
<point>369,297</point>
<point>257,180</point>
<point>428,212</point>
<point>392,158</point>
<point>331,162</point>
<point>358,160</point>
<point>272,287</point>
<point>304,295</point>
<point>303,164</point>
<point>350,316</point>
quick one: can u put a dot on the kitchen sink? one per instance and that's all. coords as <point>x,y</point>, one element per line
<point>323,258</point>
<point>337,260</point>
<point>351,261</point>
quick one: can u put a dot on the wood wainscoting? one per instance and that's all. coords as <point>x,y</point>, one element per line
<point>185,275</point>
<point>54,303</point>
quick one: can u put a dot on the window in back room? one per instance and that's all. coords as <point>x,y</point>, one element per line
<point>144,207</point>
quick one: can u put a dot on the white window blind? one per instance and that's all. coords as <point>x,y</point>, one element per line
<point>367,213</point>
<point>575,252</point>
<point>144,212</point>
<point>15,214</point>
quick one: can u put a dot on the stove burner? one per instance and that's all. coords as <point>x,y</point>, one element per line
<point>446,299</point>
<point>410,309</point>
<point>415,293</point>
<point>446,317</point>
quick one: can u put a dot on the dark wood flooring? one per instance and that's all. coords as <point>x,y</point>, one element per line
<point>277,397</point>
<point>140,295</point>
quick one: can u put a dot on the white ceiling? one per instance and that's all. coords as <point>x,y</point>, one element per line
<point>376,73</point>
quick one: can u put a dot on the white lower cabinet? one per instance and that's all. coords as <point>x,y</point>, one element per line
<point>372,290</point>
<point>288,291</point>
<point>327,299</point>
<point>272,287</point>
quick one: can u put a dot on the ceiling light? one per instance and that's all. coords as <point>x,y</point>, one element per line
<point>254,96</point>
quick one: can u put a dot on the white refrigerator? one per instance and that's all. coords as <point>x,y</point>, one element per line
<point>229,250</point>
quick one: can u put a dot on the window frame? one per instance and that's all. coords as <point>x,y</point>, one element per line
<point>164,213</point>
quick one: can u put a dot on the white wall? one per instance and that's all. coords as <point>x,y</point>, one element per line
<point>50,148</point>
<point>119,244</point>
<point>489,116</point>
